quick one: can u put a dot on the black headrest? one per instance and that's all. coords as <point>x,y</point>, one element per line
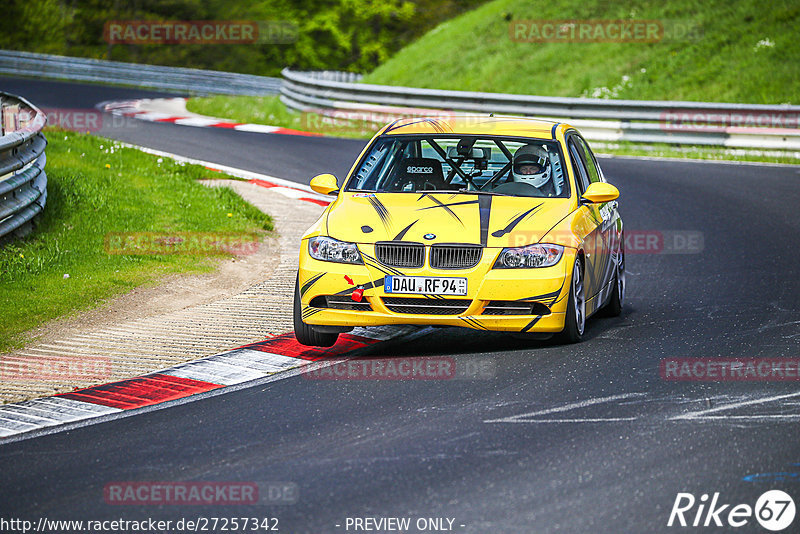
<point>422,170</point>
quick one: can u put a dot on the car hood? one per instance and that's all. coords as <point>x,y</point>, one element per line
<point>488,220</point>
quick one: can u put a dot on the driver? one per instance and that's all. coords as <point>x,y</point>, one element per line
<point>532,166</point>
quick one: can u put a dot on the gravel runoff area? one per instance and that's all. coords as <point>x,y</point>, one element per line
<point>181,319</point>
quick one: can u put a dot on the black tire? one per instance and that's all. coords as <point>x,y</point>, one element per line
<point>574,324</point>
<point>617,299</point>
<point>304,333</point>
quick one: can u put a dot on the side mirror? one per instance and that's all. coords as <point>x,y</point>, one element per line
<point>325,184</point>
<point>599,192</point>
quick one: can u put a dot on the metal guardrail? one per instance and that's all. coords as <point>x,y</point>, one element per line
<point>194,81</point>
<point>23,182</point>
<point>599,119</point>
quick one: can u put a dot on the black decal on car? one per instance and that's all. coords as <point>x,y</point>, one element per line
<point>485,209</point>
<point>531,324</point>
<point>401,235</point>
<point>515,222</point>
<point>440,204</point>
<point>310,282</point>
<point>381,210</point>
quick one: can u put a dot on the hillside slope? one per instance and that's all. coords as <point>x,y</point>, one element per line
<point>741,51</point>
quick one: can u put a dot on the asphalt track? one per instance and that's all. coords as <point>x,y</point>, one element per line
<point>607,443</point>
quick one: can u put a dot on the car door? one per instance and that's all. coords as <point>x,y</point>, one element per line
<point>594,223</point>
<point>608,215</point>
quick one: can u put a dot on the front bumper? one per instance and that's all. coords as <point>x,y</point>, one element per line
<point>547,286</point>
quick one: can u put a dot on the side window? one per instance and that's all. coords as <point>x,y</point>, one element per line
<point>589,161</point>
<point>577,164</point>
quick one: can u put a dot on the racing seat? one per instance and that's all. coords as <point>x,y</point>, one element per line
<point>418,174</point>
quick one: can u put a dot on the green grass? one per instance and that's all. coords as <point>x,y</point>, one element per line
<point>270,110</point>
<point>726,64</point>
<point>249,109</point>
<point>95,187</point>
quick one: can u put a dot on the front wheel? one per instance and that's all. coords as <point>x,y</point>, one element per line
<point>575,318</point>
<point>305,334</point>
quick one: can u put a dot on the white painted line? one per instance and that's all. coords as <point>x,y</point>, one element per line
<point>257,128</point>
<point>261,361</point>
<point>20,413</point>
<point>573,406</point>
<point>78,406</point>
<point>733,406</point>
<point>15,425</point>
<point>196,121</point>
<point>214,372</point>
<point>259,367</point>
<point>120,105</point>
<point>290,192</point>
<point>125,111</point>
<point>587,420</point>
<point>152,116</point>
<point>782,417</point>
<point>52,413</point>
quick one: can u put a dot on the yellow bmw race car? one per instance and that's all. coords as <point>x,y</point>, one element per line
<point>489,223</point>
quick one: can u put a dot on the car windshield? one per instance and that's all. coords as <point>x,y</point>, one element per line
<point>510,166</point>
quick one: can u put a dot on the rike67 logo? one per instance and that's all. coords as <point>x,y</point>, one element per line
<point>774,510</point>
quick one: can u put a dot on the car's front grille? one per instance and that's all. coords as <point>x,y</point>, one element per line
<point>515,307</point>
<point>455,256</point>
<point>423,306</point>
<point>400,254</point>
<point>339,302</point>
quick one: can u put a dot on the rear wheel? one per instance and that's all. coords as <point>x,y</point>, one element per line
<point>617,299</point>
<point>305,334</point>
<point>575,318</point>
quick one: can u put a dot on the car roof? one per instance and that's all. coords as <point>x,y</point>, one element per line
<point>475,125</point>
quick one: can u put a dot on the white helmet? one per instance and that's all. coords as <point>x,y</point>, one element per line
<point>534,162</point>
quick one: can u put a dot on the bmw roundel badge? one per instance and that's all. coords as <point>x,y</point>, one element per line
<point>429,236</point>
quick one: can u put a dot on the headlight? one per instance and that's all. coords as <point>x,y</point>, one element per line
<point>529,257</point>
<point>329,249</point>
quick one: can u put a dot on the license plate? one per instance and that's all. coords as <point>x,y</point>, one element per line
<point>425,285</point>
